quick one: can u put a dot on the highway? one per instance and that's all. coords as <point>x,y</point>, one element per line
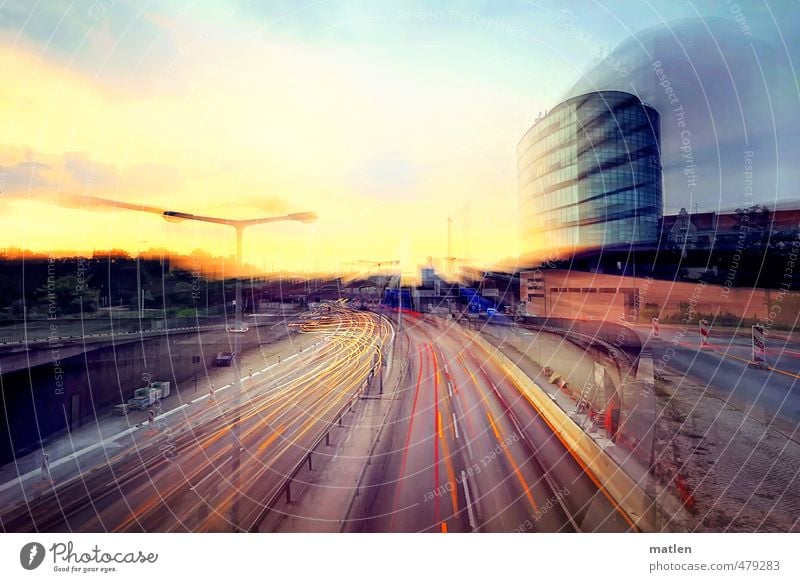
<point>463,450</point>
<point>466,451</point>
<point>182,475</point>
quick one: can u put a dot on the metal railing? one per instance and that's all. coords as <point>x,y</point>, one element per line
<point>284,488</point>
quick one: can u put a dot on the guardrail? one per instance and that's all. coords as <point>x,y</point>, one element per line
<point>611,479</point>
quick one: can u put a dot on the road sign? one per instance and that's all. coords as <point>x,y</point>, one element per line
<point>704,333</point>
<point>655,327</point>
<point>759,346</point>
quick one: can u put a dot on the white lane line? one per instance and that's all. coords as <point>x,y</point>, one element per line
<point>107,441</point>
<point>513,418</point>
<point>450,389</point>
<point>520,432</point>
<point>470,512</point>
<point>71,456</point>
<point>455,424</point>
<point>173,411</point>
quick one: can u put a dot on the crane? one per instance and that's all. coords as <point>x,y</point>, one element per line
<point>450,259</point>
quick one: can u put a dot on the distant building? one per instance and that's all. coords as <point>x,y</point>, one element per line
<point>599,296</point>
<point>589,176</point>
<point>428,275</point>
<point>702,230</point>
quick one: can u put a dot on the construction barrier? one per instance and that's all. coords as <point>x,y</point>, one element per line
<point>759,346</point>
<point>704,333</point>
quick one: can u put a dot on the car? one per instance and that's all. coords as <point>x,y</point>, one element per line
<point>242,329</point>
<point>224,359</point>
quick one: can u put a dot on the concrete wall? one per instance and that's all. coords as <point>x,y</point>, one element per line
<point>627,394</point>
<point>574,363</point>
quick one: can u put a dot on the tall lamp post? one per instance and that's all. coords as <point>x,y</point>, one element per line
<point>238,329</point>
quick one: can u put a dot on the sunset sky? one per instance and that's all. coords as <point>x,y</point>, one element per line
<point>383,117</point>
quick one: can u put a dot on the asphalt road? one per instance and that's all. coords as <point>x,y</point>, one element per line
<point>467,452</point>
<point>770,395</point>
<point>215,464</point>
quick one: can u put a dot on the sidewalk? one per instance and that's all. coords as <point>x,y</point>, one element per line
<point>74,453</point>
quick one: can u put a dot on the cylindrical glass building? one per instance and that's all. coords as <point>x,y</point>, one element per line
<point>589,176</point>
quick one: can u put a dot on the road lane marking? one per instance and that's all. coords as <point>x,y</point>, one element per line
<point>784,372</point>
<point>587,471</point>
<point>494,426</point>
<point>444,527</point>
<point>104,443</point>
<point>724,354</point>
<point>439,424</point>
<point>468,498</point>
<point>455,425</point>
<point>70,457</point>
<point>450,389</point>
<point>173,411</point>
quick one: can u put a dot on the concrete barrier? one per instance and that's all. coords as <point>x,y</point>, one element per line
<point>625,493</point>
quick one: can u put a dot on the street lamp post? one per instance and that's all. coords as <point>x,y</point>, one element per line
<point>239,226</point>
<point>139,291</point>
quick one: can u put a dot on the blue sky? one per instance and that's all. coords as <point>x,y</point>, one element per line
<point>406,111</point>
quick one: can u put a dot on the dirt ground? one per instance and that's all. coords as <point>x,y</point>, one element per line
<point>732,472</point>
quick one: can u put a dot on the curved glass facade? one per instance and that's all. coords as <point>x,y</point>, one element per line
<point>589,175</point>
